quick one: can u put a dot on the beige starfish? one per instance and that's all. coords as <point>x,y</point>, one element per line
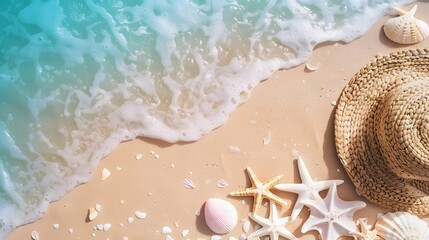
<point>260,190</point>
<point>365,232</point>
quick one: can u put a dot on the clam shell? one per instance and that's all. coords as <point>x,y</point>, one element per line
<point>220,215</point>
<point>406,29</point>
<point>401,226</point>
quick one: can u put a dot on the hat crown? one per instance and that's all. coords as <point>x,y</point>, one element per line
<point>403,129</point>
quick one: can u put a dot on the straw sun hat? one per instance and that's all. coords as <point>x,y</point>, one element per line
<point>382,131</point>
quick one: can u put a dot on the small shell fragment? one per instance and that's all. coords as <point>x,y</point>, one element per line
<point>98,207</point>
<point>139,156</point>
<point>267,139</point>
<point>92,214</point>
<point>166,230</point>
<point>185,232</point>
<point>99,227</point>
<point>106,227</point>
<point>234,149</point>
<point>35,235</point>
<point>311,67</point>
<point>56,226</point>
<point>140,215</point>
<point>188,183</point>
<point>105,174</point>
<point>222,183</point>
<point>246,226</point>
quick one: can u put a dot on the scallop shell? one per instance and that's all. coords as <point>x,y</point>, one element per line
<point>406,29</point>
<point>221,216</point>
<point>401,226</point>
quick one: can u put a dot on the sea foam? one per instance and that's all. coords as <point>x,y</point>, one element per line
<point>78,77</point>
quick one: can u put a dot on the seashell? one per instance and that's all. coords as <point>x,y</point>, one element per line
<point>222,183</point>
<point>311,67</point>
<point>92,214</point>
<point>406,29</point>
<point>401,226</point>
<point>35,235</point>
<point>188,183</point>
<point>105,174</point>
<point>220,215</point>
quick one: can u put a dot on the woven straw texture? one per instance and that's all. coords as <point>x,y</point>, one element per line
<point>382,131</point>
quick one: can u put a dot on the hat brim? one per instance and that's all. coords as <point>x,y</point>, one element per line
<point>356,138</point>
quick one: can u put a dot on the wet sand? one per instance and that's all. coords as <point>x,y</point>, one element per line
<point>295,106</point>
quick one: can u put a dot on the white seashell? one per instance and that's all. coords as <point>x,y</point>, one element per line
<point>105,174</point>
<point>406,29</point>
<point>188,183</point>
<point>401,226</point>
<point>185,232</point>
<point>221,216</point>
<point>92,214</point>
<point>140,215</point>
<point>166,230</point>
<point>222,183</point>
<point>246,226</point>
<point>35,235</point>
<point>311,67</point>
<point>267,139</point>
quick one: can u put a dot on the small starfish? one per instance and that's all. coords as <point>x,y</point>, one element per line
<point>260,190</point>
<point>331,216</point>
<point>272,226</point>
<point>365,231</point>
<point>308,189</point>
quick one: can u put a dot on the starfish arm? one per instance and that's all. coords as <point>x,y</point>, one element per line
<point>273,181</point>
<point>257,202</point>
<point>322,185</point>
<point>346,225</point>
<point>264,222</point>
<point>330,233</point>
<point>297,188</point>
<point>349,207</point>
<point>311,224</point>
<point>258,233</point>
<point>252,176</point>
<point>243,193</point>
<point>319,205</point>
<point>287,234</point>
<point>296,209</point>
<point>273,211</point>
<point>272,196</point>
<point>274,236</point>
<point>260,220</point>
<point>303,172</point>
<point>357,235</point>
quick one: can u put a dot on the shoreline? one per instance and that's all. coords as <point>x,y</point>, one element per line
<point>294,106</point>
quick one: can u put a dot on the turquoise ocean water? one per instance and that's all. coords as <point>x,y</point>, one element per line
<point>79,76</point>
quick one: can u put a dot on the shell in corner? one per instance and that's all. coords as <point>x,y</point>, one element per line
<point>220,215</point>
<point>406,29</point>
<point>401,226</point>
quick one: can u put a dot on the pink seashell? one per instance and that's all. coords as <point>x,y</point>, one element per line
<point>221,216</point>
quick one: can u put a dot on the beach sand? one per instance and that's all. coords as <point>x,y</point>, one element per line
<point>295,106</point>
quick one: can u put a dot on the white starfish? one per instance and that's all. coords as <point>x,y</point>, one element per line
<point>308,189</point>
<point>272,226</point>
<point>331,216</point>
